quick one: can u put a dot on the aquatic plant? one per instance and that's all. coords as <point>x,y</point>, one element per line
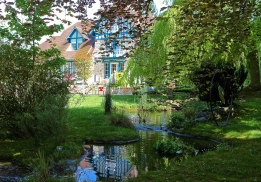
<point>174,146</point>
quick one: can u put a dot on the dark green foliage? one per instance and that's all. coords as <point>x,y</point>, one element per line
<point>224,75</point>
<point>192,108</point>
<point>183,89</point>
<point>174,146</point>
<point>108,101</point>
<point>178,121</point>
<point>33,92</point>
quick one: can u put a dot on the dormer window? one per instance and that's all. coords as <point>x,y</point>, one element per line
<point>114,28</point>
<point>76,39</point>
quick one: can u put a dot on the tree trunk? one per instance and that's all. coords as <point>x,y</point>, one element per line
<point>254,71</point>
<point>83,87</point>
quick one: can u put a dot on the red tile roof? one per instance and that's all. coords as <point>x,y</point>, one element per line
<point>61,42</point>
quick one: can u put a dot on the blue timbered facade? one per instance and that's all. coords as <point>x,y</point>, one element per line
<point>111,43</point>
<point>107,45</point>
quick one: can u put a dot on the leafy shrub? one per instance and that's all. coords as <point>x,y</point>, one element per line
<point>192,108</point>
<point>178,121</point>
<point>225,76</point>
<point>183,89</point>
<point>152,107</point>
<point>135,92</point>
<point>174,146</point>
<point>52,117</point>
<point>32,91</point>
<point>180,96</point>
<point>121,120</point>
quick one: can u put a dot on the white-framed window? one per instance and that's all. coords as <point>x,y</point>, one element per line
<point>76,40</point>
<point>122,67</point>
<point>106,70</point>
<point>68,68</point>
<point>114,28</point>
<point>118,51</point>
<point>113,68</point>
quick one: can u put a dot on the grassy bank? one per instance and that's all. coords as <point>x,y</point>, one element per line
<point>87,122</point>
<point>238,159</point>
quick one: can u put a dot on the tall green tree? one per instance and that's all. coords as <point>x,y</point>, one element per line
<point>151,61</point>
<point>29,21</point>
<point>219,30</point>
<point>31,82</point>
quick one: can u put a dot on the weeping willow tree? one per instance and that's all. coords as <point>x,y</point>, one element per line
<point>149,62</point>
<point>227,31</point>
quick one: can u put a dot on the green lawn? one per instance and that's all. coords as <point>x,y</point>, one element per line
<point>87,122</point>
<point>238,159</point>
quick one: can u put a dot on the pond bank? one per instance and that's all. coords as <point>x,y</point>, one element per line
<point>238,163</point>
<point>132,158</point>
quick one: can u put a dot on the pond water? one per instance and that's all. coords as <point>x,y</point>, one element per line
<point>10,172</point>
<point>120,162</point>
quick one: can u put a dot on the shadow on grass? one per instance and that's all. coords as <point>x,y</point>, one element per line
<point>245,124</point>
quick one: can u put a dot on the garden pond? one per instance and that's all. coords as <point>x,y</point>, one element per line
<point>118,162</point>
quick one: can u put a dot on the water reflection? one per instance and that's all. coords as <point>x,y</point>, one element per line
<point>12,172</point>
<point>105,162</point>
<point>120,162</point>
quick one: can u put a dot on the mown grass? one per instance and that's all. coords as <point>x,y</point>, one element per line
<point>236,160</point>
<point>88,122</point>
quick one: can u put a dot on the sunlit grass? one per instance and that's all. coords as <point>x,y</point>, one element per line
<point>89,122</point>
<point>237,161</point>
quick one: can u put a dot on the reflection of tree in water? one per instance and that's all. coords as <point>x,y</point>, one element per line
<point>143,153</point>
<point>142,116</point>
<point>151,118</point>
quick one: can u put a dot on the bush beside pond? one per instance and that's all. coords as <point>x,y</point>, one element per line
<point>174,146</point>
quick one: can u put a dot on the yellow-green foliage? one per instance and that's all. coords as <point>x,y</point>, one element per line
<point>83,62</point>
